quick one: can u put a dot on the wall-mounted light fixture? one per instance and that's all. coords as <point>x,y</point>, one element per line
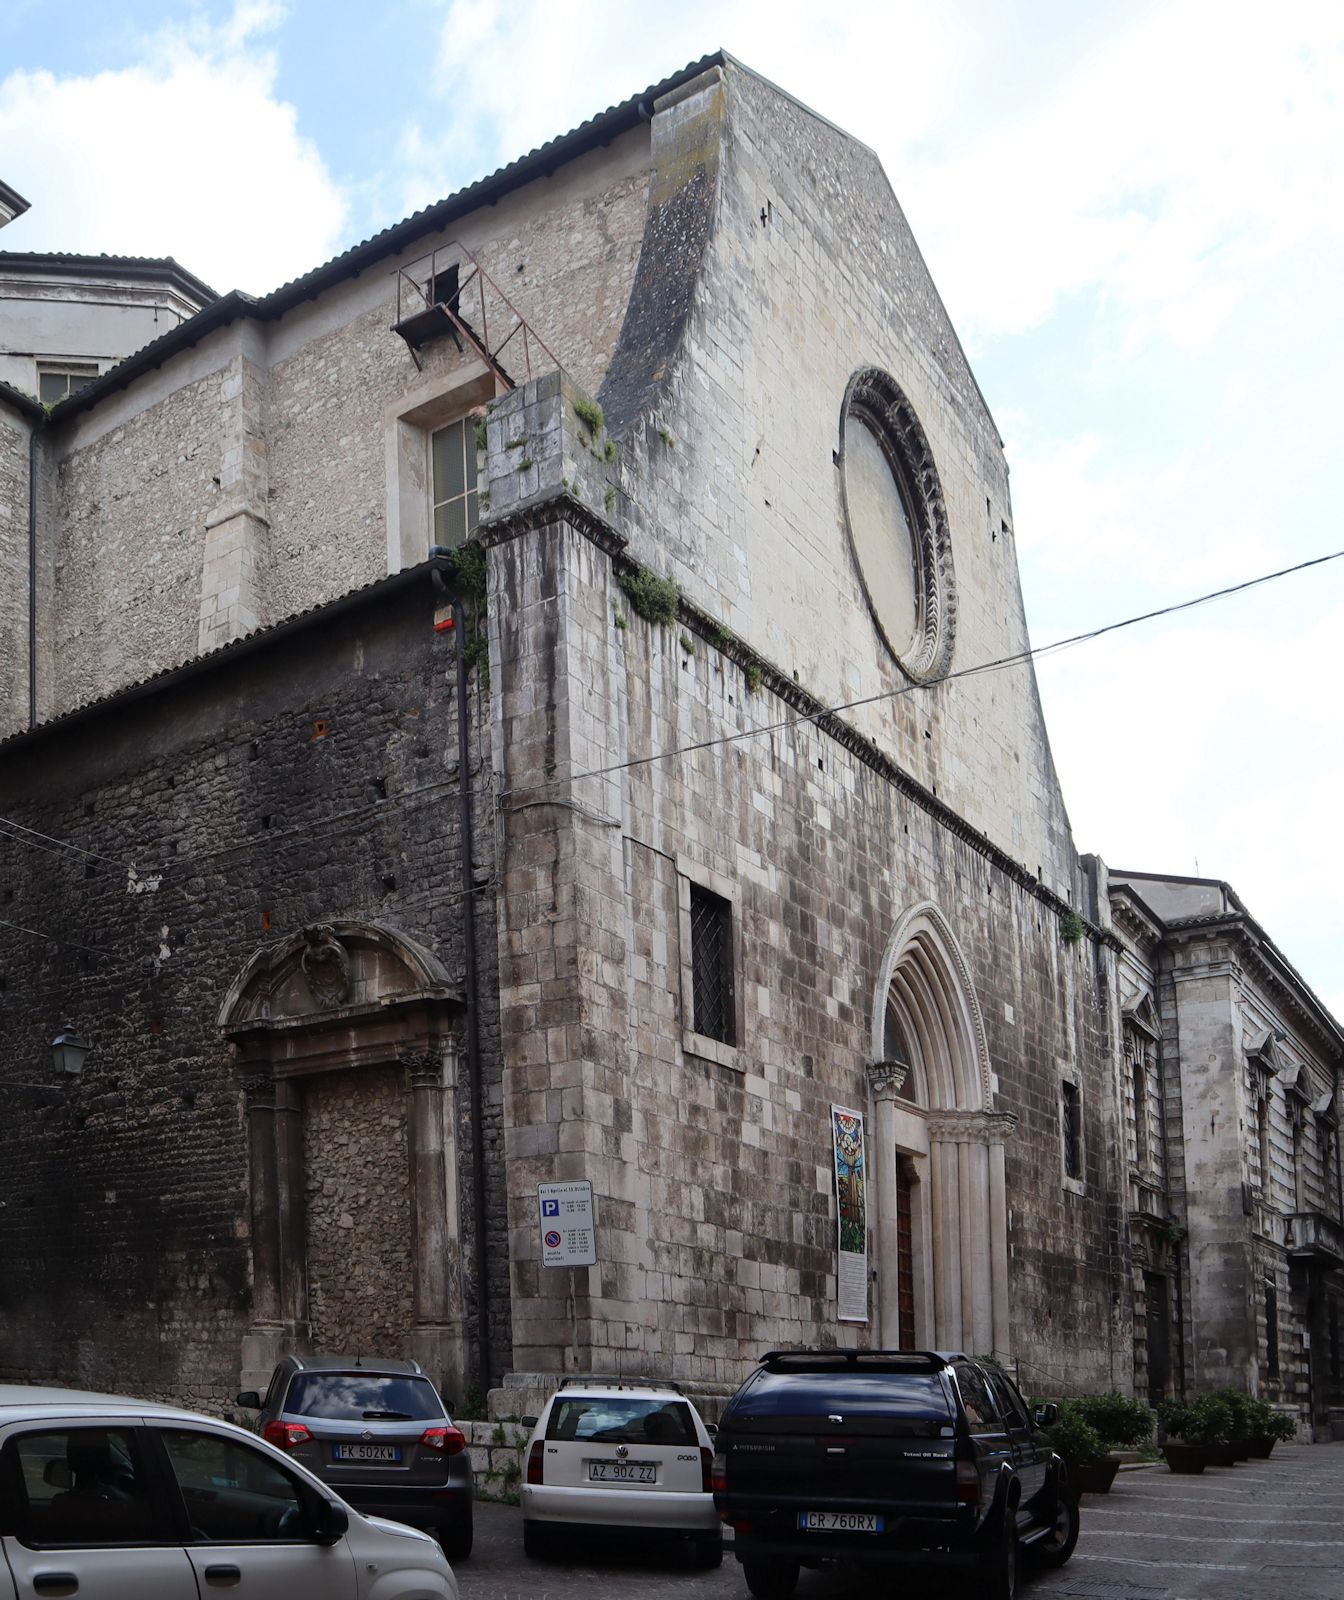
<point>67,1054</point>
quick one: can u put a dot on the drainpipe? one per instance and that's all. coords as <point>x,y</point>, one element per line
<point>473,995</point>
<point>32,578</point>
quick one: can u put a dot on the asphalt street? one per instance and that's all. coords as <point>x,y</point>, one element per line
<point>1264,1530</point>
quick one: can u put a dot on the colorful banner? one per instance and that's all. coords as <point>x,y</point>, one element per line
<point>851,1194</point>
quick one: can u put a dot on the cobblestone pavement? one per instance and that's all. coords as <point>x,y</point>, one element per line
<point>1264,1530</point>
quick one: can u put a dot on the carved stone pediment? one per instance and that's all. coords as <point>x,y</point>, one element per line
<point>335,993</point>
<point>1142,1014</point>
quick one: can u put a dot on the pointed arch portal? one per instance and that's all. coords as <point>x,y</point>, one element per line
<point>939,1148</point>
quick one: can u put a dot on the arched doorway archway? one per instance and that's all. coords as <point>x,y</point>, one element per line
<point>336,1019</point>
<point>941,1201</point>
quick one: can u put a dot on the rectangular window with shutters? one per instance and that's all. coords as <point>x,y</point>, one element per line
<point>712,965</point>
<point>453,463</point>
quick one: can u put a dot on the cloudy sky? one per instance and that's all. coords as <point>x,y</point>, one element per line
<point>1134,213</point>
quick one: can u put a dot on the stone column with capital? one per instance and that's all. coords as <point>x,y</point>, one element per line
<point>887,1079</point>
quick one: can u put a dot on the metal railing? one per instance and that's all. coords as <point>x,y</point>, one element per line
<point>474,312</point>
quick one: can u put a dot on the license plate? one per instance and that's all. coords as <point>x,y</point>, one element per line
<point>366,1452</point>
<point>839,1522</point>
<point>622,1472</point>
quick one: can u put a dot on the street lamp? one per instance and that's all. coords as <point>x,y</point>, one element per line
<point>67,1054</point>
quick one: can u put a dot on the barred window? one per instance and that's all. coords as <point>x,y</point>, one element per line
<point>712,965</point>
<point>1071,1113</point>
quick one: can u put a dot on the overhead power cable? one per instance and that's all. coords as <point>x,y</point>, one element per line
<point>1017,659</point>
<point>52,938</point>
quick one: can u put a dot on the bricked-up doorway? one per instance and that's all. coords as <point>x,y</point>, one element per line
<point>346,1035</point>
<point>938,1149</point>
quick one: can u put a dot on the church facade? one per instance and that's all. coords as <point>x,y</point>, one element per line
<point>505,710</point>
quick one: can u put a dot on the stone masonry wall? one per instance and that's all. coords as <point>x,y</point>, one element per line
<point>810,273</point>
<point>216,816</point>
<point>357,1214</point>
<point>14,435</point>
<point>717,1227</point>
<point>144,576</point>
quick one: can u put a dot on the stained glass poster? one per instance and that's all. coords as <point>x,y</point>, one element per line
<point>851,1193</point>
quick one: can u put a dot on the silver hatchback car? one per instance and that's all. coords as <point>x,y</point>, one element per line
<point>118,1499</point>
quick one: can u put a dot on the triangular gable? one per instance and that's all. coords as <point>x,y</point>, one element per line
<point>1143,1016</point>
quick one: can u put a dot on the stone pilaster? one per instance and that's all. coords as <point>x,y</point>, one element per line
<point>236,534</point>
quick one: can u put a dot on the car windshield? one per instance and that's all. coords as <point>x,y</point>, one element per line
<point>613,1419</point>
<point>912,1396</point>
<point>362,1396</point>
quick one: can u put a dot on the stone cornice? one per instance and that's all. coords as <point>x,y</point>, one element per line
<point>565,507</point>
<point>1261,959</point>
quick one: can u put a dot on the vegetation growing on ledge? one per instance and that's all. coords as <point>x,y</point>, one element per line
<point>653,598</point>
<point>1071,927</point>
<point>589,414</point>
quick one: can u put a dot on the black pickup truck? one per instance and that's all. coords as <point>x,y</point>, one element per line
<point>889,1458</point>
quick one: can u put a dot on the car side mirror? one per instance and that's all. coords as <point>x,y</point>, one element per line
<point>249,1398</point>
<point>56,1473</point>
<point>528,1422</point>
<point>330,1521</point>
<point>712,1429</point>
<point>1047,1416</point>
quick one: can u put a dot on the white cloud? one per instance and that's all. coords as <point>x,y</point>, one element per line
<point>188,152</point>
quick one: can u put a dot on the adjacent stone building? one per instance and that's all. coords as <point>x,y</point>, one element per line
<point>505,709</point>
<point>1230,1089</point>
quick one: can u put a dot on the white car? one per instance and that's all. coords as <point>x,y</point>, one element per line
<point>620,1458</point>
<point>117,1499</point>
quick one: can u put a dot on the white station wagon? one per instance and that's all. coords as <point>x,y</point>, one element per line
<point>620,1458</point>
<point>115,1499</point>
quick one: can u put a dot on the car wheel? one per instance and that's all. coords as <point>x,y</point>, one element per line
<point>771,1580</point>
<point>1001,1578</point>
<point>455,1539</point>
<point>1057,1546</point>
<point>709,1550</point>
<point>537,1542</point>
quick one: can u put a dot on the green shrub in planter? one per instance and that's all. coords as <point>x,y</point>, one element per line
<point>1281,1427</point>
<point>1207,1420</point>
<point>1122,1423</point>
<point>1075,1438</point>
<point>1242,1408</point>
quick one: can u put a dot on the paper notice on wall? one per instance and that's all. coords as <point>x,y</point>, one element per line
<point>851,1193</point>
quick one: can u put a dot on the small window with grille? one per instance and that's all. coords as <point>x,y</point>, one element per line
<point>712,965</point>
<point>453,463</point>
<point>1071,1113</point>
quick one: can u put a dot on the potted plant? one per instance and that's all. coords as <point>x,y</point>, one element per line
<point>1194,1432</point>
<point>1273,1427</point>
<point>1123,1424</point>
<point>1242,1408</point>
<point>1082,1449</point>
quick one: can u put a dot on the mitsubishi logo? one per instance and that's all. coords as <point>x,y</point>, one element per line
<point>622,1450</point>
